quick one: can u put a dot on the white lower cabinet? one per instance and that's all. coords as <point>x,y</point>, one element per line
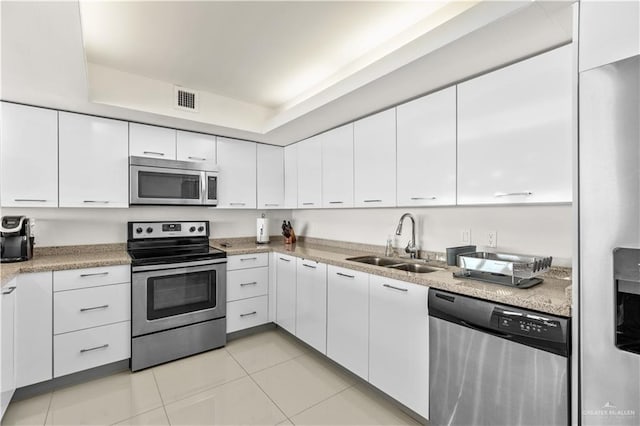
<point>348,319</point>
<point>7,345</point>
<point>399,342</point>
<point>34,328</point>
<point>286,292</point>
<point>247,313</point>
<point>311,303</point>
<point>246,283</point>
<point>90,348</point>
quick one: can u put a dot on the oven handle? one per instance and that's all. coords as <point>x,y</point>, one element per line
<point>177,265</point>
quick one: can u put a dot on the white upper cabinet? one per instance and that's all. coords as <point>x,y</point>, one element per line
<point>426,150</point>
<point>291,176</point>
<point>515,133</point>
<point>152,141</point>
<point>270,171</point>
<point>237,178</point>
<point>337,167</point>
<point>310,173</point>
<point>609,32</point>
<point>197,147</point>
<point>374,149</point>
<point>94,165</point>
<point>28,156</point>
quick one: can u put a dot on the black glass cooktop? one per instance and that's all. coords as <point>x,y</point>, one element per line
<point>177,254</point>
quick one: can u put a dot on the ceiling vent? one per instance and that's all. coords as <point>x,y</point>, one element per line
<point>185,99</point>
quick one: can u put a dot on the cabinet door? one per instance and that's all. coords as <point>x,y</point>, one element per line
<point>515,133</point>
<point>270,170</point>
<point>237,178</point>
<point>310,173</point>
<point>291,176</point>
<point>34,331</point>
<point>7,354</point>
<point>94,162</point>
<point>286,292</point>
<point>609,32</point>
<point>337,167</point>
<point>374,150</point>
<point>399,342</point>
<point>426,150</point>
<point>348,319</point>
<point>197,147</point>
<point>152,141</point>
<point>311,303</point>
<point>28,156</point>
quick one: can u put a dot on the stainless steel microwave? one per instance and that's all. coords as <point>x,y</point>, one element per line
<point>172,182</point>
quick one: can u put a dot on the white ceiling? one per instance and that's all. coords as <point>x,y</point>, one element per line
<point>121,59</point>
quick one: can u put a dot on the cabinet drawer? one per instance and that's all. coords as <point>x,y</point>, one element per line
<point>255,260</point>
<point>91,307</point>
<point>90,277</point>
<point>90,348</point>
<point>245,283</point>
<point>247,313</point>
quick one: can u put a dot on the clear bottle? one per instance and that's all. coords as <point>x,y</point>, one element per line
<point>388,250</point>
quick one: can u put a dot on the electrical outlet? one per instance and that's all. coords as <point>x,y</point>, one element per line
<point>492,239</point>
<point>465,236</point>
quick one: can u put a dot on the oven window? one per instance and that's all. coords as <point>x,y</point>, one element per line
<point>179,294</point>
<point>168,185</point>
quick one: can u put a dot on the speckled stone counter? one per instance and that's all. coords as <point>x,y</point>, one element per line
<point>553,296</point>
<point>71,257</point>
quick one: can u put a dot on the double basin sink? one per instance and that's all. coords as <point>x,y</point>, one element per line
<point>409,265</point>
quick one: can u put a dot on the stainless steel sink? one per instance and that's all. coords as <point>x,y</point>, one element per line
<point>418,268</point>
<point>375,260</point>
<point>395,263</point>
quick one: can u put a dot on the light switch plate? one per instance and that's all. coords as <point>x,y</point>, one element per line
<point>492,239</point>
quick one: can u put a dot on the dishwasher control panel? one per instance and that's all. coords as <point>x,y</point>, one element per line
<point>526,324</point>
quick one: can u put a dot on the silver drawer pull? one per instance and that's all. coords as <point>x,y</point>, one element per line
<point>31,200</point>
<point>197,158</point>
<point>308,204</point>
<point>251,283</point>
<point>237,204</point>
<point>271,205</point>
<point>249,314</point>
<point>248,258</point>
<point>96,201</point>
<point>94,308</point>
<point>9,290</point>
<point>336,202</point>
<point>161,154</point>
<point>286,260</point>
<point>94,274</point>
<point>395,288</point>
<point>345,275</point>
<point>106,345</point>
<point>422,198</point>
<point>508,194</point>
<point>372,201</point>
<point>309,266</point>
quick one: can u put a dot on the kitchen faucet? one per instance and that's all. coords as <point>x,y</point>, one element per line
<point>411,245</point>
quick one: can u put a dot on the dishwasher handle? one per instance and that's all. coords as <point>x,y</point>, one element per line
<point>485,329</point>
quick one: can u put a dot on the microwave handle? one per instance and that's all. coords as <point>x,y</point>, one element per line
<point>203,188</point>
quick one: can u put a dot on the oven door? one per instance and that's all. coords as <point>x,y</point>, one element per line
<point>211,190</point>
<point>156,185</point>
<point>183,294</point>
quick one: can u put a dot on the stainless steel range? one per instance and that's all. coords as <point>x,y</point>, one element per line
<point>178,291</point>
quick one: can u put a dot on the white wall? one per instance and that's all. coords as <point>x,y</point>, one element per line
<point>541,230</point>
<point>59,227</point>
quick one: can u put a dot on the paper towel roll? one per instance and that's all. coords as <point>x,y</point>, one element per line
<point>262,230</point>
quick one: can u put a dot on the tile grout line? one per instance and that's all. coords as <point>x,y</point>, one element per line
<point>274,365</point>
<point>324,400</point>
<point>48,408</point>
<point>260,387</point>
<point>164,407</point>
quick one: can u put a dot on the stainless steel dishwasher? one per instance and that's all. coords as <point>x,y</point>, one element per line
<point>493,364</point>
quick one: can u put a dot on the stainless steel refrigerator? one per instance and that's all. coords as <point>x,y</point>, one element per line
<point>609,241</point>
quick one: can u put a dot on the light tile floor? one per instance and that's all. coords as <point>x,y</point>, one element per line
<point>264,379</point>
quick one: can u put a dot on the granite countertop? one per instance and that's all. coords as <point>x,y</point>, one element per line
<point>553,296</point>
<point>62,258</point>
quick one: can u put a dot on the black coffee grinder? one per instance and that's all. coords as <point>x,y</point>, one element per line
<point>16,241</point>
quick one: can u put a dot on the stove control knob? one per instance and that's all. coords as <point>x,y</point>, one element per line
<point>138,230</point>
<point>200,228</point>
<point>149,230</point>
<point>192,229</point>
